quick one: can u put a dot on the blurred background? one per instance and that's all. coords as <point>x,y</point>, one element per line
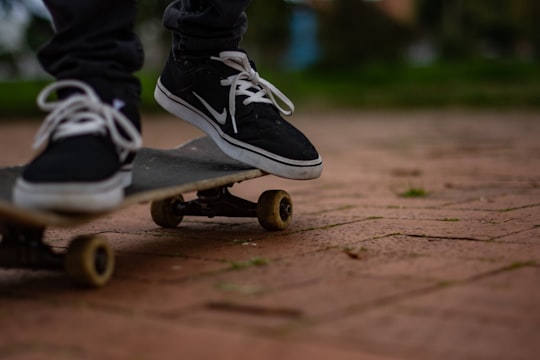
<point>334,53</point>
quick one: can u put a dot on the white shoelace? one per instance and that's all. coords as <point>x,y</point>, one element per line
<point>84,113</point>
<point>248,82</point>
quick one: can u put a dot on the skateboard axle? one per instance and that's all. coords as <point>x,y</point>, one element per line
<point>217,202</point>
<point>23,247</point>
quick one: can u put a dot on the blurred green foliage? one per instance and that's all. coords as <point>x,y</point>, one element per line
<point>353,32</point>
<point>268,31</point>
<point>473,28</point>
<point>479,84</point>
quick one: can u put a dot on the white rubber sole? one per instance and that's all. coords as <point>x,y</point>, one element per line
<point>253,156</point>
<point>72,197</point>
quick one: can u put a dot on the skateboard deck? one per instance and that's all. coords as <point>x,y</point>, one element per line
<point>196,165</point>
<point>159,177</point>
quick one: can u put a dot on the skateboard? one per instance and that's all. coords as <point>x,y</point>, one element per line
<point>159,177</point>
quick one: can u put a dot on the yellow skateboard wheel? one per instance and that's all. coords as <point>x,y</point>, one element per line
<point>163,211</point>
<point>274,210</point>
<point>89,261</point>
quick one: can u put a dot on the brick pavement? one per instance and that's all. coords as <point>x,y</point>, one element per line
<point>362,273</point>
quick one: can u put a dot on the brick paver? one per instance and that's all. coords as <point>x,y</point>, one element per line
<point>362,273</point>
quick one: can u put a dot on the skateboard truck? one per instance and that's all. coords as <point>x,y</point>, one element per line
<point>217,202</point>
<point>23,247</point>
<point>88,261</point>
<point>273,209</point>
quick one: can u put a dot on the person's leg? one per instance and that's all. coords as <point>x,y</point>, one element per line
<point>89,138</point>
<point>209,82</point>
<point>95,42</point>
<point>206,25</point>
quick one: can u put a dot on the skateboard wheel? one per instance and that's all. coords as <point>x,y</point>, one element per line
<point>164,211</point>
<point>274,210</point>
<point>89,261</point>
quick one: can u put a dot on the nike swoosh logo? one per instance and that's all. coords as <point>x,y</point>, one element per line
<point>221,118</point>
<point>118,104</point>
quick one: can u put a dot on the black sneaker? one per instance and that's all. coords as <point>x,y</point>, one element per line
<point>225,97</point>
<point>89,151</point>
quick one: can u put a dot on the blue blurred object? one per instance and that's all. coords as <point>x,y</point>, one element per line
<point>304,49</point>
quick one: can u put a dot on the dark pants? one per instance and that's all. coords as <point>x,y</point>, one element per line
<point>95,40</point>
